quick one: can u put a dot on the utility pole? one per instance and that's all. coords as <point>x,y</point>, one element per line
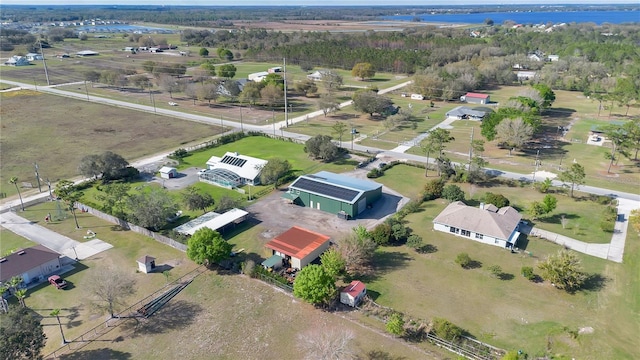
<point>35,84</point>
<point>221,124</point>
<point>44,62</point>
<point>241,125</point>
<point>49,185</point>
<point>284,77</point>
<point>37,177</point>
<point>86,89</point>
<point>471,148</point>
<point>536,169</point>
<point>273,121</point>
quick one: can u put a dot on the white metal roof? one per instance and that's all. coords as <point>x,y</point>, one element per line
<point>246,167</point>
<point>212,220</point>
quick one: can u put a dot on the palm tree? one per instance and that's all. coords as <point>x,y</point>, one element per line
<point>14,181</point>
<point>21,294</point>
<point>56,313</point>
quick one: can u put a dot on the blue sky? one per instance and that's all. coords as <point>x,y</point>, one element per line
<point>307,2</point>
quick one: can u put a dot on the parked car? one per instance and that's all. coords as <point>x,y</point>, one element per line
<point>57,281</point>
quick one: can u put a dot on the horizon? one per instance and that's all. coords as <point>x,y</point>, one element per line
<point>314,3</point>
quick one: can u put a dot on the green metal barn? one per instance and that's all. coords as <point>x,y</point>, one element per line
<point>337,194</point>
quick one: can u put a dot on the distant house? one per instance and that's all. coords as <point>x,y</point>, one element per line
<point>32,264</point>
<point>232,170</point>
<point>526,75</point>
<point>16,60</point>
<point>87,53</point>
<point>475,98</point>
<point>297,247</point>
<point>317,75</point>
<point>553,57</point>
<point>257,77</point>
<point>338,194</point>
<point>463,112</point>
<point>34,57</point>
<point>130,49</point>
<point>155,50</point>
<point>353,293</point>
<point>146,264</point>
<point>167,172</point>
<point>274,70</point>
<point>535,57</point>
<point>486,224</point>
<point>417,97</point>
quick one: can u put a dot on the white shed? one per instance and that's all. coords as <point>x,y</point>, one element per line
<point>353,293</point>
<point>146,264</point>
<point>167,172</point>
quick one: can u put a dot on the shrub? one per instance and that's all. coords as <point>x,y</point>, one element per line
<point>445,329</point>
<point>495,270</point>
<point>179,154</point>
<point>375,173</point>
<point>452,193</point>
<point>463,260</point>
<point>414,241</point>
<point>527,272</point>
<point>609,217</point>
<point>433,189</point>
<point>395,324</point>
<point>249,268</point>
<point>496,199</point>
<point>381,234</point>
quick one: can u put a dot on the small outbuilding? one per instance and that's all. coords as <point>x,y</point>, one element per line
<point>475,98</point>
<point>297,246</point>
<point>167,172</point>
<point>146,264</point>
<point>353,293</point>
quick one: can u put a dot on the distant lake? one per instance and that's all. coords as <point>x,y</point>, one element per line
<point>121,28</point>
<point>533,17</point>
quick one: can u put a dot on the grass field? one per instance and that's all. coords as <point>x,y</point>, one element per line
<point>65,130</point>
<point>10,241</point>
<point>512,313</point>
<point>225,316</point>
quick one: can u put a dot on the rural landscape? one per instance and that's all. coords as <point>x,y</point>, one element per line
<point>259,183</point>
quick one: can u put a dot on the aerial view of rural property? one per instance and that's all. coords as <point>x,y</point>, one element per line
<point>319,180</point>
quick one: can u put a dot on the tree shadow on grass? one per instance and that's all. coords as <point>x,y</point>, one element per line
<point>97,354</point>
<point>427,249</point>
<point>384,262</point>
<point>173,316</point>
<point>379,355</point>
<point>506,276</point>
<point>595,282</point>
<point>473,264</point>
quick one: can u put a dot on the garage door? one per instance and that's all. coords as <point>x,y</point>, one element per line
<point>362,205</point>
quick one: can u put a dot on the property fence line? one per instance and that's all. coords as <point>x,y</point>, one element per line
<point>272,281</point>
<point>105,327</point>
<point>487,353</point>
<point>135,228</point>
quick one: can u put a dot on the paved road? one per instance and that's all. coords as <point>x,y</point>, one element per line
<point>51,239</point>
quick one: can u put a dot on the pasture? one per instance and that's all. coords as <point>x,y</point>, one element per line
<point>57,132</point>
<point>512,312</point>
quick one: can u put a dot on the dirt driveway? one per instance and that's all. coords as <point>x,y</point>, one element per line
<point>273,213</point>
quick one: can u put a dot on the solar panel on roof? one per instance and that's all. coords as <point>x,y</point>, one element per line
<point>232,160</point>
<point>326,189</point>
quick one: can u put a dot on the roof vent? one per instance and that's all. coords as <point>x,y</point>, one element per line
<point>3,259</point>
<point>21,252</point>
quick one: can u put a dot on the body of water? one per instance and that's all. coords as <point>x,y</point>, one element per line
<point>532,17</point>
<point>122,28</point>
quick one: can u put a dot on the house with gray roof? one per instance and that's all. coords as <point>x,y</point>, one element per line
<point>464,112</point>
<point>486,224</point>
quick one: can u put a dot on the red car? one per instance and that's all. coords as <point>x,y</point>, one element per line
<point>57,281</point>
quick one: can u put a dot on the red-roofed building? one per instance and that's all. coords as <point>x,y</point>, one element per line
<point>475,98</point>
<point>353,293</point>
<point>298,246</point>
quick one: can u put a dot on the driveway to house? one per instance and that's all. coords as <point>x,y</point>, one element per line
<point>613,251</point>
<point>51,239</point>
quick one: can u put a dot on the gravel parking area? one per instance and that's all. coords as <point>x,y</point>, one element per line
<point>273,213</point>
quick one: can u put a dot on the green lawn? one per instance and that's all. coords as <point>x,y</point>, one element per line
<point>10,241</point>
<point>512,313</point>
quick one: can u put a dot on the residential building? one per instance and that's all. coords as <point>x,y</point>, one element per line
<point>486,224</point>
<point>16,60</point>
<point>463,112</point>
<point>475,98</point>
<point>32,264</point>
<point>353,293</point>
